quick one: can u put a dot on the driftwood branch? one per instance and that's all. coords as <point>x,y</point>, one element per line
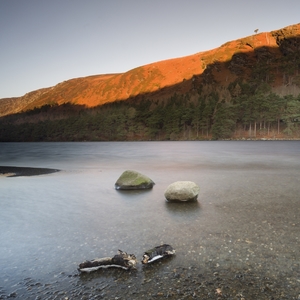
<point>157,253</point>
<point>126,261</point>
<point>121,260</point>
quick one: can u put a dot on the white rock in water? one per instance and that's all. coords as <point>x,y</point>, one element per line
<point>182,191</point>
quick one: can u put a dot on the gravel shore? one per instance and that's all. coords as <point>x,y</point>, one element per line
<point>160,281</point>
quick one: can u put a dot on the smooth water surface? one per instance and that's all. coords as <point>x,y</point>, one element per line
<point>246,217</point>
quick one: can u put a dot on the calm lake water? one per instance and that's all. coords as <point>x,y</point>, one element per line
<point>246,217</point>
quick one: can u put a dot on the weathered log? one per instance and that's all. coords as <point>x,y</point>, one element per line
<point>121,260</point>
<point>157,253</point>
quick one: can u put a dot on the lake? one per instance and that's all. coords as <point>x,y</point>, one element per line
<point>242,236</point>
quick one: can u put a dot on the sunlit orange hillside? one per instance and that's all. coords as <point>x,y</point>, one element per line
<point>158,80</point>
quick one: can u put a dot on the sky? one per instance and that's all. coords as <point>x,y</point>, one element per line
<point>44,42</point>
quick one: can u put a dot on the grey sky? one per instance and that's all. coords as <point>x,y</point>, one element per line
<point>45,42</point>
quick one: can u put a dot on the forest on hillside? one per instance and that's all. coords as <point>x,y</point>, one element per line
<point>254,112</point>
<point>242,92</point>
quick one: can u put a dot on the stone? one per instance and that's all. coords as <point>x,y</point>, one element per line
<point>132,180</point>
<point>182,191</point>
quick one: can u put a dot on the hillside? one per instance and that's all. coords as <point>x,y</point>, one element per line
<point>224,65</point>
<point>265,63</point>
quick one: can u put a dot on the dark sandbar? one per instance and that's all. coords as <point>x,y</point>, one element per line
<point>24,171</point>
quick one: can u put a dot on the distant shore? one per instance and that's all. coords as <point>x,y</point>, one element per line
<point>9,171</point>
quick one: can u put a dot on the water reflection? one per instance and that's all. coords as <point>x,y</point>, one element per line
<point>133,193</point>
<point>109,274</point>
<point>187,209</point>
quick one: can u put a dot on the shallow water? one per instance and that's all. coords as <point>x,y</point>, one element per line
<point>246,220</point>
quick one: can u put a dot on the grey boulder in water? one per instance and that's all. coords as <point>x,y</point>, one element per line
<point>182,191</point>
<point>132,180</point>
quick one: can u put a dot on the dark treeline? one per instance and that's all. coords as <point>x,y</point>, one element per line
<point>251,113</point>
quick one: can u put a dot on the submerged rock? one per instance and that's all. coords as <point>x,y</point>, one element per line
<point>132,180</point>
<point>182,191</point>
<point>9,171</point>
